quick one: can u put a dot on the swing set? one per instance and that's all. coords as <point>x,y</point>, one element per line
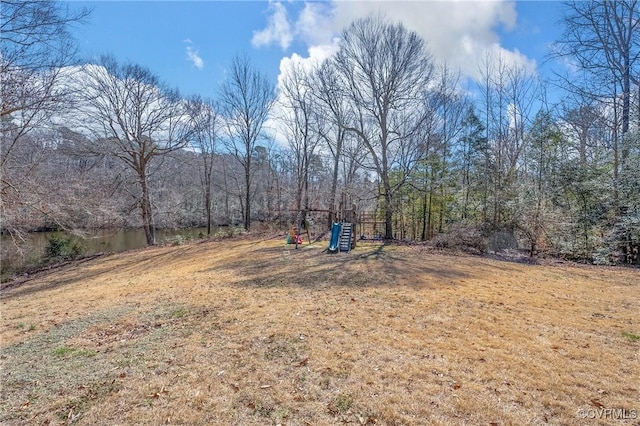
<point>341,220</point>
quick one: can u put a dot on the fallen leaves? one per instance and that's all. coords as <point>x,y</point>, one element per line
<point>290,348</point>
<point>157,395</point>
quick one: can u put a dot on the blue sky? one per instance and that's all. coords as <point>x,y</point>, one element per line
<point>189,44</point>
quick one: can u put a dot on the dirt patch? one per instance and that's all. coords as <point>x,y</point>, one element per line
<point>255,332</point>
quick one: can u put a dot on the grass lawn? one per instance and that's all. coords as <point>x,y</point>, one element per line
<point>251,332</point>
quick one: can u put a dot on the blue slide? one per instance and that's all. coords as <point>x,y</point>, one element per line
<point>335,237</point>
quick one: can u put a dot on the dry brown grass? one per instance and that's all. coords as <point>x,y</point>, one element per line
<point>253,333</point>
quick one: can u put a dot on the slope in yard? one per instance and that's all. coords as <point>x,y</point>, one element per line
<point>252,332</point>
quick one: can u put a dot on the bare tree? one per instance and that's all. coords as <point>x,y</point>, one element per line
<point>601,39</point>
<point>448,105</point>
<point>205,137</point>
<point>332,117</point>
<point>35,48</point>
<point>298,115</point>
<point>533,216</point>
<point>246,99</point>
<point>385,70</point>
<point>135,118</point>
<point>473,152</point>
<point>586,124</point>
<point>508,92</point>
<point>522,92</point>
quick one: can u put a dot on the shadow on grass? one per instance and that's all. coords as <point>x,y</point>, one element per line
<point>71,274</point>
<point>256,265</point>
<point>367,266</point>
<point>135,262</point>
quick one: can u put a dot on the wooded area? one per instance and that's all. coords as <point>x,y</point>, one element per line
<point>379,124</point>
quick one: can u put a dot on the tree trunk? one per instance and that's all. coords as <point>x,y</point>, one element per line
<point>616,162</point>
<point>278,195</point>
<point>208,207</point>
<point>430,214</point>
<point>424,217</point>
<point>443,206</point>
<point>388,219</point>
<point>336,167</point>
<point>497,184</point>
<point>242,210</point>
<point>424,204</point>
<point>247,197</point>
<point>583,148</point>
<point>388,210</point>
<point>299,187</point>
<point>306,183</point>
<point>430,204</point>
<point>626,107</point>
<point>227,210</point>
<point>467,191</point>
<point>146,209</point>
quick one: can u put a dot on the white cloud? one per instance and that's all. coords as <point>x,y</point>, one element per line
<point>457,32</point>
<point>316,55</point>
<point>193,55</point>
<point>315,23</point>
<point>278,29</point>
<point>460,33</point>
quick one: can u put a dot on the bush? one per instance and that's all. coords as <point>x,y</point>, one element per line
<point>60,247</point>
<point>462,237</point>
<point>502,240</point>
<point>228,232</point>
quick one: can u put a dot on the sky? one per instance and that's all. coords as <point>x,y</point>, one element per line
<point>190,44</point>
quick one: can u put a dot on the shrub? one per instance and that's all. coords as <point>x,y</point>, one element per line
<point>60,247</point>
<point>502,240</point>
<point>463,237</point>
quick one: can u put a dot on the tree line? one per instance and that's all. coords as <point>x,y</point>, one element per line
<point>380,123</point>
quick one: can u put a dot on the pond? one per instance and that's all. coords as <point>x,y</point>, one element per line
<point>93,242</point>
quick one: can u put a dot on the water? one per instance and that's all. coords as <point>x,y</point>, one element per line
<point>132,239</point>
<point>120,240</point>
<point>94,242</point>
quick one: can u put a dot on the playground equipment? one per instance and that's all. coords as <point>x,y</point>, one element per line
<point>341,223</point>
<point>342,235</point>
<point>336,229</point>
<point>293,237</point>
